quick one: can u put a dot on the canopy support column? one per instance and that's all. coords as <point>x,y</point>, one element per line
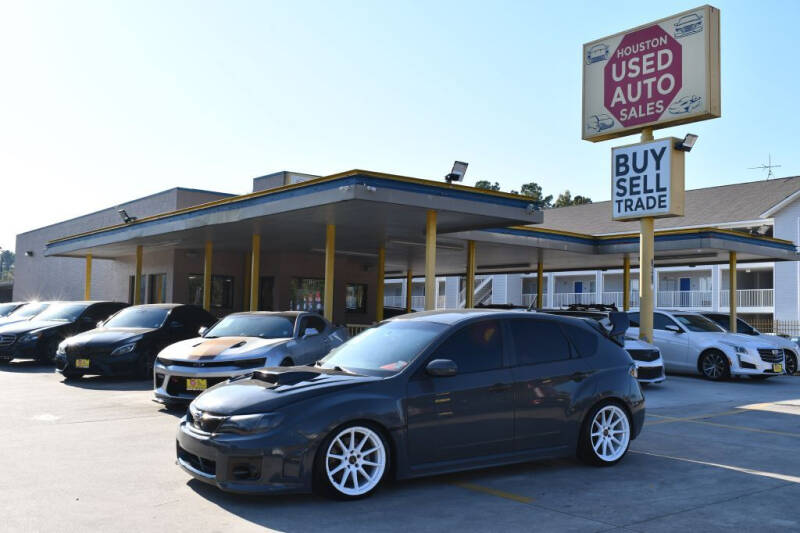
<point>255,269</point>
<point>732,326</point>
<point>381,282</point>
<point>469,289</point>
<point>409,286</point>
<point>626,283</point>
<point>87,289</point>
<point>430,260</point>
<point>137,277</point>
<point>330,257</point>
<point>539,285</point>
<point>207,261</point>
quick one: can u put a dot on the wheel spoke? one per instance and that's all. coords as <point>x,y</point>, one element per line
<point>338,468</point>
<point>370,451</point>
<point>362,443</point>
<point>355,479</point>
<point>369,463</point>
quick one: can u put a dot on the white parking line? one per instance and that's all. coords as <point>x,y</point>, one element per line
<point>773,475</point>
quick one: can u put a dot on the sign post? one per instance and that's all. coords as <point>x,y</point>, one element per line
<point>660,74</point>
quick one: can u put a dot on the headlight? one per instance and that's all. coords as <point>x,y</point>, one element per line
<point>737,349</point>
<point>244,424</point>
<point>634,371</point>
<point>31,337</point>
<point>124,349</point>
<point>61,349</point>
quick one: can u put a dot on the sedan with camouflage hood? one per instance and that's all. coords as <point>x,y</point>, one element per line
<point>241,343</point>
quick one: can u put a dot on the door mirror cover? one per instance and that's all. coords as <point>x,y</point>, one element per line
<point>310,332</point>
<point>673,329</point>
<point>100,324</point>
<point>442,368</point>
<point>202,331</point>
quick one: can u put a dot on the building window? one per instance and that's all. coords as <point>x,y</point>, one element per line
<point>221,290</point>
<point>306,294</point>
<point>356,298</point>
<point>157,289</point>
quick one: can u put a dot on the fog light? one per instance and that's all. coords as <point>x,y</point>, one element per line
<point>634,371</point>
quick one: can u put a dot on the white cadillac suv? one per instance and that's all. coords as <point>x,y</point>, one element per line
<point>689,342</point>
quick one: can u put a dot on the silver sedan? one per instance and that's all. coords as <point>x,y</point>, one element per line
<point>241,343</point>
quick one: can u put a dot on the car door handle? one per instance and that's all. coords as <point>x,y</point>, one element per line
<point>500,387</point>
<point>579,376</point>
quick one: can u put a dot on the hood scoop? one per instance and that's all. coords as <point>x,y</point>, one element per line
<point>291,377</point>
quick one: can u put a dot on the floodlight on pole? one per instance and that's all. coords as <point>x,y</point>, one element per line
<point>687,143</point>
<point>457,174</point>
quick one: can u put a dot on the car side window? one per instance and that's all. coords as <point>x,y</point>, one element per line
<point>661,321</point>
<point>474,348</point>
<point>582,338</point>
<point>538,341</point>
<point>315,322</point>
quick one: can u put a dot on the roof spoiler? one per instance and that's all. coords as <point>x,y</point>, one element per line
<point>619,325</point>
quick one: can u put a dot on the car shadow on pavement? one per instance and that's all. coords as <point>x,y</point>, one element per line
<point>29,366</point>
<point>109,383</point>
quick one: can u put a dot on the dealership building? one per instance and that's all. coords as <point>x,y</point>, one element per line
<point>351,243</point>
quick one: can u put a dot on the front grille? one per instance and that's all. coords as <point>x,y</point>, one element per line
<point>644,355</point>
<point>242,363</point>
<point>771,355</point>
<point>177,385</point>
<point>7,340</point>
<point>206,466</point>
<point>85,350</point>
<point>650,372</point>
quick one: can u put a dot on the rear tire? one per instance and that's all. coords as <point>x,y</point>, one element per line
<point>352,462</point>
<point>605,436</point>
<point>714,366</point>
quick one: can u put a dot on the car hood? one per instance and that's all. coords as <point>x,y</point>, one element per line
<point>20,328</point>
<point>106,336</point>
<point>638,344</point>
<point>738,339</point>
<point>768,341</point>
<point>272,388</point>
<point>221,348</point>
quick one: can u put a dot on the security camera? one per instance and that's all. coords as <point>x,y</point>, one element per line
<point>126,218</point>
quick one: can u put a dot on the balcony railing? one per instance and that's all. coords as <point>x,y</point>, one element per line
<point>691,299</point>
<point>561,299</point>
<point>528,299</point>
<point>417,302</point>
<point>394,301</point>
<point>615,298</point>
<point>748,298</point>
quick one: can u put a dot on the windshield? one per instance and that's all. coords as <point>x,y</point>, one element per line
<point>384,350</point>
<point>5,309</point>
<point>29,310</point>
<point>138,317</point>
<point>62,312</point>
<point>265,327</point>
<point>698,323</point>
<point>741,326</point>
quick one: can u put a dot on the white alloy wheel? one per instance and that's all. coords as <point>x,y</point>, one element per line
<point>610,433</point>
<point>355,461</point>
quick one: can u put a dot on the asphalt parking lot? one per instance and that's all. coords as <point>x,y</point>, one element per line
<point>99,455</point>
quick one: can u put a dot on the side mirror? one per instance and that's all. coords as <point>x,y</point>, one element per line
<point>310,332</point>
<point>202,331</point>
<point>100,324</point>
<point>673,329</point>
<point>442,368</point>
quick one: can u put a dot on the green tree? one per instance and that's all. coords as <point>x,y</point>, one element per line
<point>7,258</point>
<point>534,190</point>
<point>487,185</point>
<point>581,200</point>
<point>564,199</point>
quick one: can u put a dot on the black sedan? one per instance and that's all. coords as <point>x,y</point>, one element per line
<point>39,336</point>
<point>128,342</point>
<point>420,394</point>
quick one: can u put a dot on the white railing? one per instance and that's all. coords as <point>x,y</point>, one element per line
<point>441,302</point>
<point>615,298</point>
<point>418,302</point>
<point>748,298</point>
<point>394,301</point>
<point>355,329</point>
<point>691,299</point>
<point>561,299</point>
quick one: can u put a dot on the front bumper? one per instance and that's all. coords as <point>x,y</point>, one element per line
<point>650,371</point>
<point>100,364</point>
<point>169,381</point>
<point>756,365</point>
<point>242,464</point>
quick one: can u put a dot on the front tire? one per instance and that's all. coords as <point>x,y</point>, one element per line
<point>352,462</point>
<point>714,366</point>
<point>605,436</point>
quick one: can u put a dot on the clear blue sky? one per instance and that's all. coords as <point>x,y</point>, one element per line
<point>102,102</point>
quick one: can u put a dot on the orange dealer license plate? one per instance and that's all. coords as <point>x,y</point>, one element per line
<point>196,384</point>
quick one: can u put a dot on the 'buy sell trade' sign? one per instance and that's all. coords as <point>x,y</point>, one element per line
<point>647,180</point>
<point>660,74</point>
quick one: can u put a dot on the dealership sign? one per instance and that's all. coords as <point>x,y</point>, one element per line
<point>647,180</point>
<point>657,75</point>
